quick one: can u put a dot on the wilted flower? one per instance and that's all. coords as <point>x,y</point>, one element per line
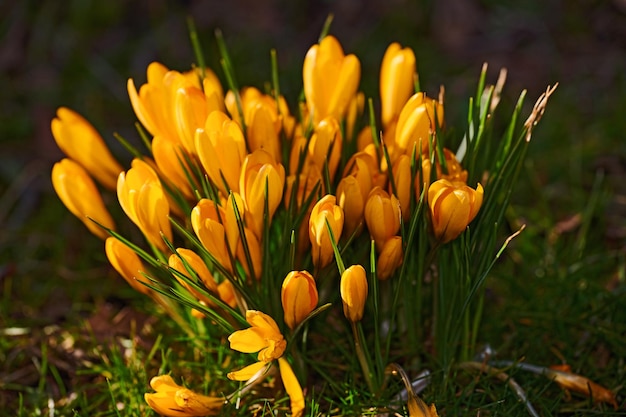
<point>396,81</point>
<point>80,141</point>
<point>81,196</point>
<point>330,79</point>
<point>173,400</point>
<point>141,195</point>
<point>453,205</point>
<point>353,287</point>
<point>298,296</point>
<point>324,210</point>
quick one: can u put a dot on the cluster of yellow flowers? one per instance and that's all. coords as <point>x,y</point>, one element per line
<point>228,165</point>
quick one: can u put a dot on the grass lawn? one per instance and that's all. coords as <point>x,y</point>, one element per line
<point>76,340</point>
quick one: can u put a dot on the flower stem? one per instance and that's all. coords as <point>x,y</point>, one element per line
<point>360,354</point>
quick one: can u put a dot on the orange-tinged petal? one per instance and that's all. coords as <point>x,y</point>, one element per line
<point>396,81</point>
<point>453,205</point>
<point>261,179</point>
<point>170,159</point>
<point>127,263</point>
<point>390,258</point>
<point>324,210</point>
<point>249,340</point>
<point>298,296</point>
<point>402,180</point>
<point>80,141</point>
<point>330,79</point>
<point>293,388</point>
<point>382,215</point>
<point>205,223</point>
<point>248,372</point>
<point>353,288</point>
<point>221,148</point>
<point>171,399</point>
<point>81,196</point>
<point>196,263</point>
<point>350,199</point>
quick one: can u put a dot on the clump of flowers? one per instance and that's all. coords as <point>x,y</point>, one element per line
<point>250,206</point>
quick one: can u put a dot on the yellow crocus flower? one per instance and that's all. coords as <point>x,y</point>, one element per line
<point>81,196</point>
<point>324,210</point>
<point>382,215</point>
<point>325,146</point>
<point>390,258</point>
<point>298,296</point>
<point>416,123</point>
<point>143,199</point>
<point>330,79</point>
<point>396,81</point>
<point>205,220</point>
<point>127,263</point>
<point>453,205</point>
<point>197,265</point>
<point>173,400</point>
<point>401,172</point>
<point>169,157</point>
<point>261,179</point>
<point>263,337</point>
<point>353,288</point>
<point>80,141</point>
<point>221,148</point>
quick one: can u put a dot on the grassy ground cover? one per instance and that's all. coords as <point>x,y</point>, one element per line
<point>76,340</point>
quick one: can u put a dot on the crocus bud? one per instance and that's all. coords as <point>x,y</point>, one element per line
<point>382,215</point>
<point>197,265</point>
<point>261,179</point>
<point>402,179</point>
<point>221,149</point>
<point>324,210</point>
<point>453,205</point>
<point>173,400</point>
<point>352,201</point>
<point>80,141</point>
<point>416,123</point>
<point>455,171</point>
<point>396,80</point>
<point>353,288</point>
<point>81,196</point>
<point>169,157</point>
<point>127,263</point>
<point>325,146</point>
<point>205,221</point>
<point>298,296</point>
<point>151,102</point>
<point>142,198</point>
<point>390,258</point>
<point>227,293</point>
<point>330,79</point>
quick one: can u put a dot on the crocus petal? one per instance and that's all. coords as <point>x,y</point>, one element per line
<point>248,372</point>
<point>293,388</point>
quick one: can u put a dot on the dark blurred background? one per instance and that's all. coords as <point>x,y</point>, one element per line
<point>80,53</point>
